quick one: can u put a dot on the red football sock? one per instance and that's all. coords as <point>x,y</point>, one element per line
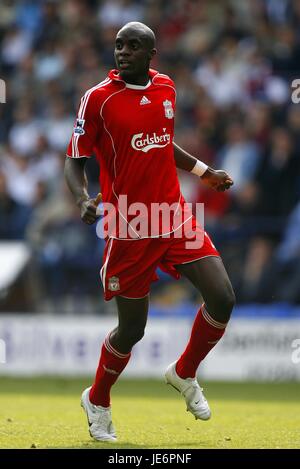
<point>206,333</point>
<point>111,365</point>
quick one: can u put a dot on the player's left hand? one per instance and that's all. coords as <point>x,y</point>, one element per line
<point>89,210</point>
<point>218,180</point>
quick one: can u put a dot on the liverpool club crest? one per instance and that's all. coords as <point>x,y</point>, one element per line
<point>113,284</point>
<point>169,112</point>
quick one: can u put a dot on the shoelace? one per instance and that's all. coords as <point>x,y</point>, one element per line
<point>101,416</point>
<point>195,385</point>
<point>104,419</point>
<point>202,398</point>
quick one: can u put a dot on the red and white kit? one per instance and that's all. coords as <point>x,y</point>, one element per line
<point>130,129</point>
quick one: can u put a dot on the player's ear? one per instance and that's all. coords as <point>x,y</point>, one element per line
<point>152,53</point>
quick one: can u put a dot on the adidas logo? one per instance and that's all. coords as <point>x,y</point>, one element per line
<point>144,100</point>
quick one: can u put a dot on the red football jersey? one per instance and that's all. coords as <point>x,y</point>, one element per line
<point>130,129</point>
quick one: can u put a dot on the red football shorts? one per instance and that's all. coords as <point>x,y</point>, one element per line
<point>129,265</point>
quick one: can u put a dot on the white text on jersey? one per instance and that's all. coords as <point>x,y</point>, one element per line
<point>149,141</point>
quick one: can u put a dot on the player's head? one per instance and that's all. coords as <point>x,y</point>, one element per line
<point>134,49</point>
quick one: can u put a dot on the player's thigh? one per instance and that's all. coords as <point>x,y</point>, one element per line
<point>209,276</point>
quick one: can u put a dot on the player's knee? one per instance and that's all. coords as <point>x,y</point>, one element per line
<point>229,301</point>
<point>137,335</point>
<point>132,335</point>
<point>222,305</point>
<point>226,304</point>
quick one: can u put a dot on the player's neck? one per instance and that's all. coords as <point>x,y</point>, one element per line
<point>141,80</point>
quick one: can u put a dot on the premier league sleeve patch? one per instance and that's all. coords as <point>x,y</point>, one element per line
<point>78,129</point>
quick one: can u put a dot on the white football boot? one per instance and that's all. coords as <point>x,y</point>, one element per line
<point>191,391</point>
<point>99,419</point>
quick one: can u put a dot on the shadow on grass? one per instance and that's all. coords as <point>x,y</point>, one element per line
<point>103,446</point>
<point>127,445</point>
<point>133,389</point>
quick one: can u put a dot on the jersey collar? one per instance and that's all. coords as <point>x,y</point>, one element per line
<point>138,87</point>
<point>115,75</point>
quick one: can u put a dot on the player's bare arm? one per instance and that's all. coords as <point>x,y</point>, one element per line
<point>78,184</point>
<point>218,180</point>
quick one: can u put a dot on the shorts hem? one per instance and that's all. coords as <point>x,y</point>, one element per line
<point>199,259</point>
<point>134,298</point>
<point>127,297</point>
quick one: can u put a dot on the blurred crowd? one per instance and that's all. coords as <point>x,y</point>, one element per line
<point>233,63</point>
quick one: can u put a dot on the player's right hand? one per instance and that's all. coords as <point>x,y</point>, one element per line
<point>88,210</point>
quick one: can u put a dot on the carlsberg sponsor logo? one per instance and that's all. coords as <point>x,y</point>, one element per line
<point>146,142</point>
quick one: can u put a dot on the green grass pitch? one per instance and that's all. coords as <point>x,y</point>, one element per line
<point>46,413</point>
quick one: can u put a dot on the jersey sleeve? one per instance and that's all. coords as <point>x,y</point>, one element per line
<point>87,128</point>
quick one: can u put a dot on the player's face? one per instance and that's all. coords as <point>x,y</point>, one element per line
<point>132,55</point>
